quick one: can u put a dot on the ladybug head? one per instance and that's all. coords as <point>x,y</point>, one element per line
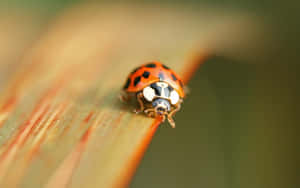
<point>161,106</point>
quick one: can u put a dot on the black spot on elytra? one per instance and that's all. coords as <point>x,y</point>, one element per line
<point>156,88</point>
<point>146,74</point>
<point>127,83</point>
<point>136,80</point>
<point>150,65</point>
<point>180,82</point>
<point>161,76</point>
<point>166,67</point>
<point>174,77</point>
<point>136,69</point>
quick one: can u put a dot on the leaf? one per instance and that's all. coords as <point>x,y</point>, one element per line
<point>61,122</point>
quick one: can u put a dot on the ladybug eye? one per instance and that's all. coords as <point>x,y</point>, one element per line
<point>148,93</point>
<point>174,97</point>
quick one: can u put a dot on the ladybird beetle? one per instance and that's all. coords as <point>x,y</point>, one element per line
<point>158,90</point>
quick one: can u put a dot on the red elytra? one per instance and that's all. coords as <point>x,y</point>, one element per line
<point>152,72</point>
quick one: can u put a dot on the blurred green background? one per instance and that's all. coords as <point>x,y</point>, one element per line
<point>239,126</point>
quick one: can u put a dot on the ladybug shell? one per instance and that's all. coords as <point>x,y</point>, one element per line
<point>152,72</point>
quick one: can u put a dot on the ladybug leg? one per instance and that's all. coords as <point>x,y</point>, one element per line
<point>141,103</point>
<point>171,121</point>
<point>124,97</point>
<point>171,114</point>
<point>149,112</point>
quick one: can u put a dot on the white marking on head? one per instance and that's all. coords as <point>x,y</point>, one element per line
<point>148,93</point>
<point>174,97</point>
<point>162,84</point>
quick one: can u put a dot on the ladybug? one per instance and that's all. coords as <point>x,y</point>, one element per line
<point>158,90</point>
